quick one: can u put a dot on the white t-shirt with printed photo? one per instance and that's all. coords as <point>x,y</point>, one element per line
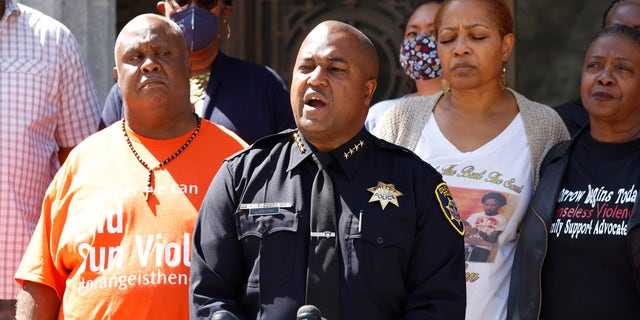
<point>502,165</point>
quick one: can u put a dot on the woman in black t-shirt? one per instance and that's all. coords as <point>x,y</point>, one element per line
<point>578,255</point>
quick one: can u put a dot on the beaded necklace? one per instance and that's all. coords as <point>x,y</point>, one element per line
<point>149,189</point>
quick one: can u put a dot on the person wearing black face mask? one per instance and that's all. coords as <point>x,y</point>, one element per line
<point>249,99</point>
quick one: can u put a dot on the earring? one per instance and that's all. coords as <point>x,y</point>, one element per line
<point>446,88</point>
<point>228,30</point>
<point>503,78</point>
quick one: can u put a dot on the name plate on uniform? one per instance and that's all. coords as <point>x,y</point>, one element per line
<point>264,209</point>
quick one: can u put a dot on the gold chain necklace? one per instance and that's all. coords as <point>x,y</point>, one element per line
<point>149,188</point>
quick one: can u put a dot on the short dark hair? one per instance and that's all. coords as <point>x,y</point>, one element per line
<point>420,4</point>
<point>621,29</point>
<point>209,4</point>
<point>502,200</point>
<point>498,10</point>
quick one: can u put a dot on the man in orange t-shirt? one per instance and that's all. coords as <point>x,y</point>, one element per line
<point>114,238</point>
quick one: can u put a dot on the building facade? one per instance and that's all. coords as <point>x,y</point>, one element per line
<point>551,37</point>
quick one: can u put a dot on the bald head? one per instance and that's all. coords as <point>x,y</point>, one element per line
<point>153,70</point>
<point>146,24</point>
<point>333,82</point>
<point>333,30</point>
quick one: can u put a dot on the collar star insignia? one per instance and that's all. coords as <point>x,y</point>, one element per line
<point>385,194</point>
<point>353,150</point>
<point>298,141</point>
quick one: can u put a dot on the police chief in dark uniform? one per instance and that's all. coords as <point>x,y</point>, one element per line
<point>399,239</point>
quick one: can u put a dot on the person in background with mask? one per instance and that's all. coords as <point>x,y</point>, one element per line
<point>418,58</point>
<point>246,98</point>
<point>626,12</point>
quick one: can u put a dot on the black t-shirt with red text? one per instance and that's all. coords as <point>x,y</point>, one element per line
<point>587,273</point>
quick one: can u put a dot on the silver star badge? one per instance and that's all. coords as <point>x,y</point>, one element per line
<point>385,194</point>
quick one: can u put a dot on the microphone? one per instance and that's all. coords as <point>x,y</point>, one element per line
<point>309,312</point>
<point>223,315</point>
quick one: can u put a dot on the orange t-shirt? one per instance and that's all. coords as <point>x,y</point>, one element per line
<point>107,251</point>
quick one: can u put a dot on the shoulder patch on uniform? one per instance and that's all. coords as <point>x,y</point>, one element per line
<point>449,208</point>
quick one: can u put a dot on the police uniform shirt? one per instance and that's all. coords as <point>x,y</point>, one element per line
<point>400,237</point>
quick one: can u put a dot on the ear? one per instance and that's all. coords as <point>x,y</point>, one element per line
<point>369,89</point>
<point>226,12</point>
<point>160,6</point>
<point>115,72</point>
<point>507,46</point>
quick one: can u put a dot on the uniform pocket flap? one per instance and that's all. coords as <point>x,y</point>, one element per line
<point>265,224</point>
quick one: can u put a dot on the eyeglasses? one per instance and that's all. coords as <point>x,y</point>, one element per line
<point>207,4</point>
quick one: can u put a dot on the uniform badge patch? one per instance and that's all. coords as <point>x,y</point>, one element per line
<point>385,194</point>
<point>449,208</point>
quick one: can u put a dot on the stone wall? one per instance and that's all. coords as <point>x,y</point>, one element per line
<point>551,38</point>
